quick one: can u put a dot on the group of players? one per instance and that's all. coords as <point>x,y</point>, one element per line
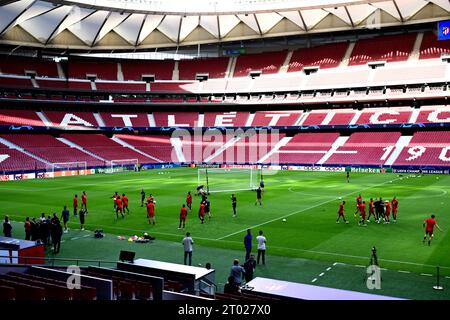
<point>381,210</point>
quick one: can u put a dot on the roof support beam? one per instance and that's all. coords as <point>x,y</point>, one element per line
<point>303,20</point>
<point>14,20</point>
<point>257,24</point>
<point>349,16</point>
<point>398,10</point>
<point>100,29</point>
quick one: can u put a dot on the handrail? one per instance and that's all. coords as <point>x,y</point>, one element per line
<point>53,259</point>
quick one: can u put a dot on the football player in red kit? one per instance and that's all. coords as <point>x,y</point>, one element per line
<point>189,200</point>
<point>341,212</point>
<point>151,213</point>
<point>119,207</point>
<point>84,201</point>
<point>394,208</point>
<point>75,205</point>
<point>362,211</point>
<point>429,224</point>
<point>201,212</point>
<point>125,203</point>
<point>371,210</point>
<point>358,203</point>
<point>183,215</point>
<point>387,212</point>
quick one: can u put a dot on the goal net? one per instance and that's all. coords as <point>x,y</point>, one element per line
<point>123,165</point>
<point>227,180</point>
<point>67,168</point>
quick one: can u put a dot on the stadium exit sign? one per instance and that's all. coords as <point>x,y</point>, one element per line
<point>444,30</point>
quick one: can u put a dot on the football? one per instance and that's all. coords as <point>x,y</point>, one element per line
<point>284,220</point>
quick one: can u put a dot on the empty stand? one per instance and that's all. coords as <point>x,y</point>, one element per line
<point>226,119</point>
<point>431,47</point>
<point>106,148</point>
<point>265,62</point>
<point>169,86</point>
<point>15,82</point>
<point>80,69</point>
<point>14,160</point>
<point>304,148</point>
<point>385,116</point>
<point>434,114</point>
<point>120,86</point>
<point>386,48</point>
<point>127,119</point>
<point>20,118</point>
<point>176,119</point>
<point>276,118</point>
<point>214,68</point>
<point>21,65</point>
<point>69,119</point>
<point>51,149</point>
<point>365,148</point>
<point>426,149</point>
<point>135,69</point>
<point>325,56</point>
<point>159,147</point>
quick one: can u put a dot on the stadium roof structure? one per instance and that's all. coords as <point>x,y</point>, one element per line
<point>140,24</point>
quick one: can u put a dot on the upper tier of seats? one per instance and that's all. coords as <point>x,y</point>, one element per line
<point>214,68</point>
<point>431,47</point>
<point>390,48</point>
<point>265,62</point>
<point>325,56</point>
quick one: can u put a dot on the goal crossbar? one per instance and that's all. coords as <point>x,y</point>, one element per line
<point>228,179</point>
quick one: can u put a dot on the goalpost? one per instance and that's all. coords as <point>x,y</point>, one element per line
<point>228,179</point>
<point>80,167</point>
<point>123,165</point>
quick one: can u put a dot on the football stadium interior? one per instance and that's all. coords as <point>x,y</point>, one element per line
<point>302,105</point>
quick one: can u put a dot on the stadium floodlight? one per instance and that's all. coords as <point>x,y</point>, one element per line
<point>120,165</point>
<point>228,179</point>
<point>69,168</point>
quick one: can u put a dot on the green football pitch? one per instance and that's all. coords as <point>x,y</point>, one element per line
<point>308,244</point>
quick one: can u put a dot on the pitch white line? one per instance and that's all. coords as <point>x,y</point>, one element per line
<point>320,275</point>
<point>402,271</point>
<point>426,274</point>
<point>329,268</point>
<point>359,266</point>
<point>314,280</point>
<point>303,210</point>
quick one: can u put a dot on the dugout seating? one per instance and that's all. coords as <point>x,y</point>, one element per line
<point>124,288</point>
<point>24,291</point>
<point>7,293</point>
<point>84,293</point>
